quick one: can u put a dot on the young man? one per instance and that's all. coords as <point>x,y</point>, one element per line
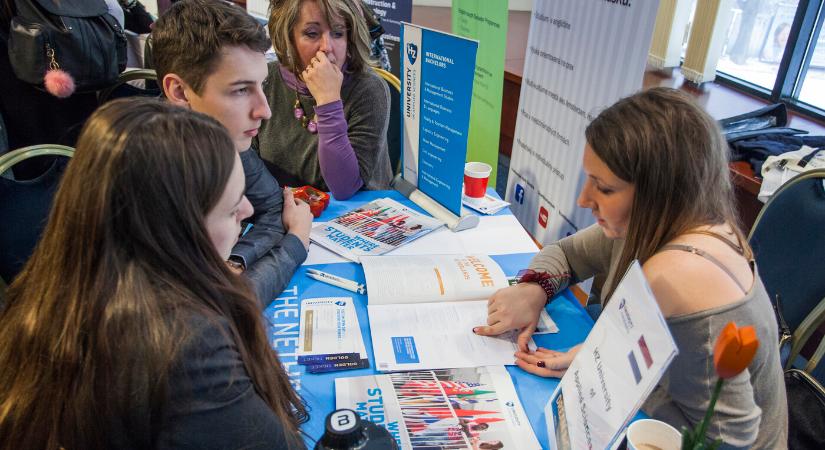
<point>209,56</point>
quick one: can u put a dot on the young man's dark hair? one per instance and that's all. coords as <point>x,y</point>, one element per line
<point>187,39</point>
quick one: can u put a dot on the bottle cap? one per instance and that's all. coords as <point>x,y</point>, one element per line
<point>344,429</point>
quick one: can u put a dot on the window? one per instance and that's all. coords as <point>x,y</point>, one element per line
<point>812,91</point>
<point>774,49</point>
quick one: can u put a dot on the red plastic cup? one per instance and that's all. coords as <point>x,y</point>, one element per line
<point>476,175</point>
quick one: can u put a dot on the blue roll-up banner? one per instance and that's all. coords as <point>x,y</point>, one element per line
<point>437,90</point>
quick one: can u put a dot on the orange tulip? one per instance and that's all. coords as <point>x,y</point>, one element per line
<point>734,350</point>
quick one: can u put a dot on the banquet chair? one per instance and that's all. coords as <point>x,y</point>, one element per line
<point>123,88</point>
<point>25,204</point>
<point>788,241</point>
<point>394,128</point>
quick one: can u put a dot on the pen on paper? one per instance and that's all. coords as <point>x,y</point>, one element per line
<point>333,277</point>
<point>336,281</point>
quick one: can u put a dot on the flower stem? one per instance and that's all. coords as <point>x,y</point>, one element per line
<point>716,390</point>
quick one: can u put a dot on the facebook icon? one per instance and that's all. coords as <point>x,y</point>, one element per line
<point>519,194</point>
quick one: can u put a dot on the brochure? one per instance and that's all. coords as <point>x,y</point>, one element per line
<point>444,409</point>
<point>422,311</point>
<point>485,205</point>
<point>616,368</point>
<point>376,228</point>
<point>329,336</point>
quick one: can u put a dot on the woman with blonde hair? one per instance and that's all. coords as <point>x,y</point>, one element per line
<point>330,111</point>
<point>126,329</point>
<point>657,182</point>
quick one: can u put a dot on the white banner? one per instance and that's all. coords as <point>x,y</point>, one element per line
<point>582,56</point>
<point>411,87</point>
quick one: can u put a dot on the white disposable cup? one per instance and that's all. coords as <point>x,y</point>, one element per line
<point>651,434</point>
<point>476,175</point>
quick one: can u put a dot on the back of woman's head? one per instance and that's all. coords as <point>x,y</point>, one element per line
<point>675,156</point>
<point>95,319</point>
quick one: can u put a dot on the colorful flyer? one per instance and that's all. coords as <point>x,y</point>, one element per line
<point>472,408</point>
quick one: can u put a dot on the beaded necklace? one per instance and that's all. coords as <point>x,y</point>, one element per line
<point>298,110</point>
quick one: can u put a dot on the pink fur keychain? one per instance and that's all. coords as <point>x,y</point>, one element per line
<point>58,82</point>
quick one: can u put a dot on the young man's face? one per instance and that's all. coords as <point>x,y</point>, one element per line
<point>233,94</point>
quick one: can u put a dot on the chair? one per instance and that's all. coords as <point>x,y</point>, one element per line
<point>25,205</point>
<point>4,137</point>
<point>788,240</point>
<point>122,88</point>
<point>394,128</point>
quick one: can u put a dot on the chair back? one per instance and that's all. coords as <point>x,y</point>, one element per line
<point>4,137</point>
<point>788,240</point>
<point>25,205</point>
<point>122,88</point>
<point>394,128</point>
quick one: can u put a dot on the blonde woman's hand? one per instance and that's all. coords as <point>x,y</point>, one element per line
<point>546,363</point>
<point>323,79</point>
<point>514,308</point>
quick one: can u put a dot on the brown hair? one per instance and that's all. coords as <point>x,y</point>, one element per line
<point>123,260</point>
<point>188,38</point>
<point>673,152</point>
<point>284,15</point>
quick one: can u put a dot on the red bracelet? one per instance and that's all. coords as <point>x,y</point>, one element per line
<point>543,279</point>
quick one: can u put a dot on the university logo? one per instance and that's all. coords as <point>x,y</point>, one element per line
<point>519,194</point>
<point>412,52</point>
<point>543,216</point>
<point>341,303</point>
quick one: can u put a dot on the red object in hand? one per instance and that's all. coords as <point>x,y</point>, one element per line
<point>317,200</point>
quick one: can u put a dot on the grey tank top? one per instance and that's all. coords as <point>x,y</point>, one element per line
<point>752,409</point>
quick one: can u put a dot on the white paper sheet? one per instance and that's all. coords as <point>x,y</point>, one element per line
<point>616,368</point>
<point>329,326</point>
<point>435,336</point>
<point>433,278</point>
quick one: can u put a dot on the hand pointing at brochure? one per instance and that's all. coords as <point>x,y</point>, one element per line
<point>514,308</point>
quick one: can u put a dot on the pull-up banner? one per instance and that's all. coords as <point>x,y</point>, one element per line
<point>582,56</point>
<point>486,21</point>
<point>392,14</point>
<point>436,92</point>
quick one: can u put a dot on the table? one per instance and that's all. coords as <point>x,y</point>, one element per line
<point>500,236</point>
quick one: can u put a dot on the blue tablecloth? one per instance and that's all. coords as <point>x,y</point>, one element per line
<point>317,390</point>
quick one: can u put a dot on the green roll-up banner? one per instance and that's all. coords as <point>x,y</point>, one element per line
<point>486,22</point>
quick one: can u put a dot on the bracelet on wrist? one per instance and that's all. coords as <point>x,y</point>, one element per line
<point>543,279</point>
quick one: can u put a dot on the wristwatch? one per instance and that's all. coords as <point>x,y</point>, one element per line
<point>236,262</point>
<point>543,279</point>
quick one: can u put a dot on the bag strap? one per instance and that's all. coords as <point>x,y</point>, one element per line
<point>807,158</point>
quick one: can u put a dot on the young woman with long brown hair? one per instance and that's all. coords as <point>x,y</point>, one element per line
<point>126,329</point>
<point>657,182</point>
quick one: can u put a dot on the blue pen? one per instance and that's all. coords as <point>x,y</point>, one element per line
<point>246,230</point>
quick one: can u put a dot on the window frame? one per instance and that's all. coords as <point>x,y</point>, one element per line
<point>793,67</point>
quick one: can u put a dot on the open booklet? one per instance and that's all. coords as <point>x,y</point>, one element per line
<point>616,368</point>
<point>422,311</point>
<point>446,409</point>
<point>376,228</point>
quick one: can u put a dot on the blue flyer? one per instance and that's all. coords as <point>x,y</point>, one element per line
<point>437,90</point>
